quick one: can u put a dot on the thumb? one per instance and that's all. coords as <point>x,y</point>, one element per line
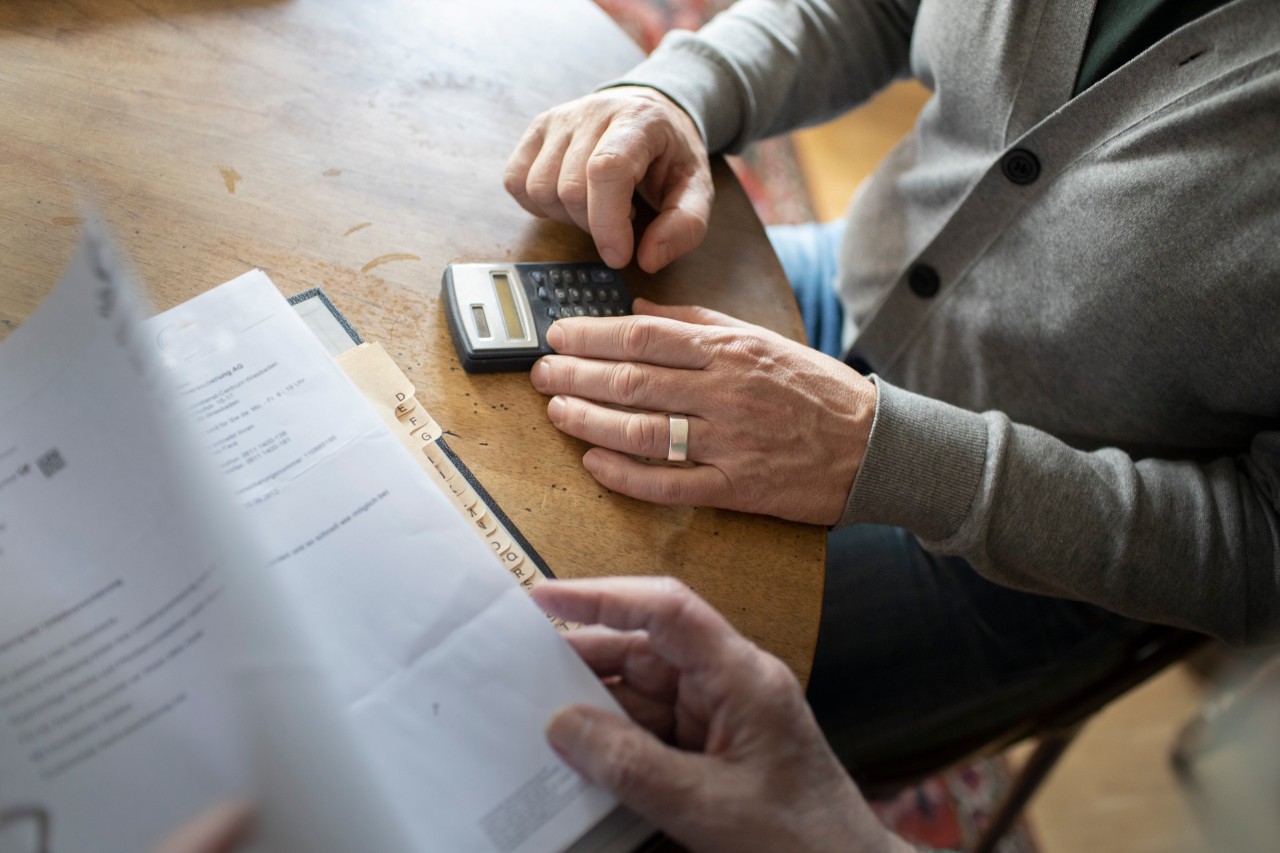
<point>680,226</point>
<point>688,314</point>
<point>221,829</point>
<point>626,760</point>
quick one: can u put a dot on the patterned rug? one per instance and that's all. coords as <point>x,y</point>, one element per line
<point>947,811</point>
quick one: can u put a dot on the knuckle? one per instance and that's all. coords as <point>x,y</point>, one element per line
<point>750,353</point>
<point>698,229</point>
<point>627,383</point>
<point>641,432</point>
<point>644,115</point>
<point>783,698</point>
<point>572,191</point>
<point>703,315</point>
<point>623,767</point>
<point>542,191</point>
<point>513,180</point>
<point>558,373</point>
<point>615,477</point>
<point>636,336</point>
<point>681,604</point>
<point>676,590</point>
<point>610,162</point>
<point>667,491</point>
<point>775,676</point>
<point>578,419</point>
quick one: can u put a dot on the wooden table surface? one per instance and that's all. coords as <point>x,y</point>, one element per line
<point>359,147</point>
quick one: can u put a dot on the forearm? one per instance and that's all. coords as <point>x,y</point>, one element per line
<point>768,66</point>
<point>1177,542</point>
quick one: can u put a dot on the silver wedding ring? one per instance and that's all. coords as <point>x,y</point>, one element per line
<point>678,440</point>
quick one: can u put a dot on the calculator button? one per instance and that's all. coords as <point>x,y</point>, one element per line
<point>587,295</point>
<point>552,312</point>
<point>582,277</point>
<point>542,292</point>
<point>622,311</point>
<point>602,294</point>
<point>615,295</point>
<point>555,276</point>
<point>606,311</point>
<point>602,276</point>
<point>562,295</point>
<point>538,277</point>
<point>595,310</point>
<point>580,311</point>
<point>575,295</point>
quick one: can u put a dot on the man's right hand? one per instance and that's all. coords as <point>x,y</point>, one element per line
<point>583,161</point>
<point>721,753</point>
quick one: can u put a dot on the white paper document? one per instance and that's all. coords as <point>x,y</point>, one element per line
<point>142,466</point>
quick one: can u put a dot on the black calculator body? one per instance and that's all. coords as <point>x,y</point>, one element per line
<point>499,313</point>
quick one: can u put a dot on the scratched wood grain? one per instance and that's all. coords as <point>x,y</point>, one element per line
<point>359,147</point>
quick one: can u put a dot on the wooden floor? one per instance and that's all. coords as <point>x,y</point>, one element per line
<point>836,156</point>
<point>1113,791</point>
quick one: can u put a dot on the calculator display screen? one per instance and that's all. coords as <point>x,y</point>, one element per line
<point>482,322</point>
<point>507,302</point>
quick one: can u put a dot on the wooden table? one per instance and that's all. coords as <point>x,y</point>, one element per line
<point>359,147</point>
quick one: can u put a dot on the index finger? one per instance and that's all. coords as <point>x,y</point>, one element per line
<point>637,338</point>
<point>614,169</point>
<point>682,628</point>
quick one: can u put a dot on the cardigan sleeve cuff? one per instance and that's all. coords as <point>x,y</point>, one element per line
<point>923,466</point>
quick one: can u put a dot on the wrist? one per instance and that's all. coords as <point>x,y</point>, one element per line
<point>856,427</point>
<point>863,832</point>
<point>679,115</point>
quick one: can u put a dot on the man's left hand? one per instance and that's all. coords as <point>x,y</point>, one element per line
<point>775,427</point>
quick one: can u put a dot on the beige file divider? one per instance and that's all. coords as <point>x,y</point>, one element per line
<point>392,395</point>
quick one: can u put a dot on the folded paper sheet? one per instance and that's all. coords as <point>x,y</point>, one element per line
<point>107,668</point>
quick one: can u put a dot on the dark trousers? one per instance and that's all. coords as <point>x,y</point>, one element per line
<point>916,651</point>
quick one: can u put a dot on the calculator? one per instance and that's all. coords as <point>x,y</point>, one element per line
<point>499,313</point>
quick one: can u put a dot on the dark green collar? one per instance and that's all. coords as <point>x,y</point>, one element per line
<point>1122,29</point>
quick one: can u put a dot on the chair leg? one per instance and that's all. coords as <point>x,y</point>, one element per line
<point>1042,760</point>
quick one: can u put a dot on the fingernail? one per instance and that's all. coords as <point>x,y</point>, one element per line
<point>567,730</point>
<point>555,409</point>
<point>659,256</point>
<point>541,373</point>
<point>555,336</point>
<point>612,256</point>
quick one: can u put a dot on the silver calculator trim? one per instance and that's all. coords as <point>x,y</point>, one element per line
<point>473,285</point>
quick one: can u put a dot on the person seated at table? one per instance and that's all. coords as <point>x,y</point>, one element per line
<point>720,750</point>
<point>1049,405</point>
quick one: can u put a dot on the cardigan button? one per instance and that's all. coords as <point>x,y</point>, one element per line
<point>923,281</point>
<point>1020,166</point>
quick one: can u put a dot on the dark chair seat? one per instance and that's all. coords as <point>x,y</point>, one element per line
<point>1053,728</point>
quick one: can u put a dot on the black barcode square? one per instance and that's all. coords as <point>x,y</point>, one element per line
<point>51,463</point>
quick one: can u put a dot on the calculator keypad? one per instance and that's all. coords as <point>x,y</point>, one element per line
<point>579,292</point>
